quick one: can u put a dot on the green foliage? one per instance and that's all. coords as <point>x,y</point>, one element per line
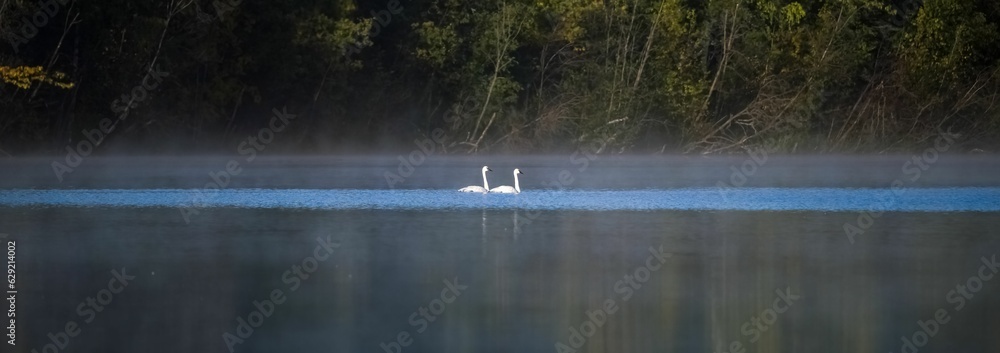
<point>435,43</point>
<point>950,43</point>
<point>520,75</point>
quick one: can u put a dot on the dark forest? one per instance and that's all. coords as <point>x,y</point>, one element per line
<point>637,76</point>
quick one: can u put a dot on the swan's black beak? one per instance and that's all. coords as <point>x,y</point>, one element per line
<point>489,170</point>
<point>520,172</point>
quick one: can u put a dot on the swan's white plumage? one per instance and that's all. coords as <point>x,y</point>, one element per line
<point>506,189</point>
<point>473,188</point>
<point>477,188</point>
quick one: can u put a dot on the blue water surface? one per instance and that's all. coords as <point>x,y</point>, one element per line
<point>751,199</point>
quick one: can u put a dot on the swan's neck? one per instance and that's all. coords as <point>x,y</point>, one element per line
<point>486,184</point>
<point>517,185</point>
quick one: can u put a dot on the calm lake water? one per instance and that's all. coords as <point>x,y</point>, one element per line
<point>618,254</point>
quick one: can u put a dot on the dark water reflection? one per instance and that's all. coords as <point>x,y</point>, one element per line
<point>530,276</point>
<point>528,280</point>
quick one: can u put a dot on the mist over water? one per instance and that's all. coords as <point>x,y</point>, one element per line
<point>542,172</point>
<point>537,266</point>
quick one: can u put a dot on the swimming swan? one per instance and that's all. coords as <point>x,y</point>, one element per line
<point>507,189</point>
<point>474,188</point>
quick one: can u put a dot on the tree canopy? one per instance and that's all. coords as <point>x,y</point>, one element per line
<point>713,76</point>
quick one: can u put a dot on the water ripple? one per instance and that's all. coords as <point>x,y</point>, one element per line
<point>754,199</point>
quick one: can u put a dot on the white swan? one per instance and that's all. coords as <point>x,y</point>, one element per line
<point>476,188</point>
<point>507,189</point>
